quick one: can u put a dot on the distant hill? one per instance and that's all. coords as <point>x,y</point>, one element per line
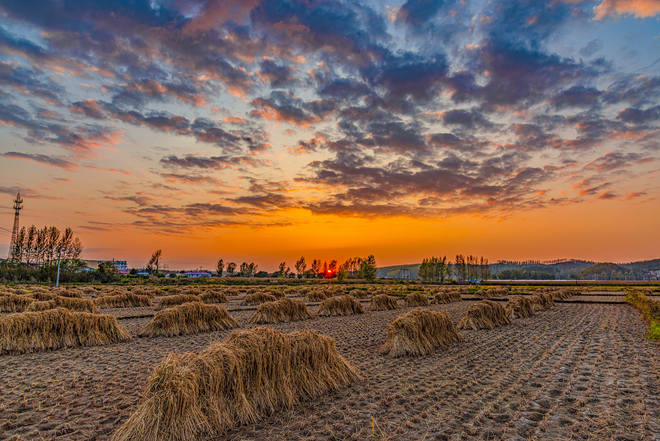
<point>607,269</point>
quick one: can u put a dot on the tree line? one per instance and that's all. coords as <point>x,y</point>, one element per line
<point>464,269</point>
<point>41,246</point>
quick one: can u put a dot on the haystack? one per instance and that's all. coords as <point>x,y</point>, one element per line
<point>419,332</point>
<point>485,314</point>
<point>343,305</point>
<point>67,292</point>
<point>443,297</point>
<point>232,292</point>
<point>258,298</point>
<point>283,310</point>
<point>57,328</point>
<point>178,299</point>
<point>125,300</point>
<point>70,303</point>
<point>14,303</point>
<point>214,297</point>
<point>359,294</point>
<point>43,296</point>
<point>316,296</point>
<point>561,294</point>
<point>519,307</point>
<point>189,318</point>
<point>281,294</point>
<point>491,293</point>
<point>239,381</point>
<point>416,299</point>
<point>542,301</point>
<point>382,302</point>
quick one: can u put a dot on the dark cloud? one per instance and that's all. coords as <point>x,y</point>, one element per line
<point>576,96</point>
<point>55,161</point>
<point>216,162</point>
<point>637,116</point>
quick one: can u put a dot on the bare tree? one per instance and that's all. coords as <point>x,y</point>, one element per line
<point>301,265</point>
<point>154,263</point>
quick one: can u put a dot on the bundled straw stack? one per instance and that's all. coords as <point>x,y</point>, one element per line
<point>419,332</point>
<point>416,299</point>
<point>189,318</point>
<point>239,381</point>
<point>316,296</point>
<point>444,297</point>
<point>125,300</point>
<point>542,301</point>
<point>359,294</point>
<point>257,299</point>
<point>485,314</point>
<point>343,305</point>
<point>70,303</point>
<point>57,328</point>
<point>283,310</point>
<point>213,297</point>
<point>14,303</point>
<point>383,302</point>
<point>519,307</point>
<point>178,299</point>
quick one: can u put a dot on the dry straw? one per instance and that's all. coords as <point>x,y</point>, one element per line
<point>125,300</point>
<point>214,297</point>
<point>239,381</point>
<point>64,292</point>
<point>70,303</point>
<point>178,299</point>
<point>14,303</point>
<point>343,305</point>
<point>492,292</point>
<point>416,299</point>
<point>519,307</point>
<point>316,296</point>
<point>359,294</point>
<point>542,301</point>
<point>485,314</point>
<point>43,296</point>
<point>419,332</point>
<point>55,329</point>
<point>189,318</point>
<point>447,297</point>
<point>283,310</point>
<point>258,298</point>
<point>382,302</point>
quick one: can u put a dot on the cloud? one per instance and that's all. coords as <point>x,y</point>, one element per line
<point>215,162</point>
<point>637,8</point>
<point>55,161</point>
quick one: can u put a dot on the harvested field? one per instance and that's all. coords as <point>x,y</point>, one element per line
<point>419,332</point>
<point>189,318</point>
<point>14,303</point>
<point>416,299</point>
<point>575,371</point>
<point>383,302</point>
<point>283,310</point>
<point>342,305</point>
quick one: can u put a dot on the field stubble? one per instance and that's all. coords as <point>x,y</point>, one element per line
<point>576,371</point>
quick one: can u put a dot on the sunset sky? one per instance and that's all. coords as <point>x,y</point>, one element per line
<point>265,130</point>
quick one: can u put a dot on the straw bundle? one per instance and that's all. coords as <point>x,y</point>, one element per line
<point>64,292</point>
<point>443,297</point>
<point>343,305</point>
<point>281,294</point>
<point>55,329</point>
<point>14,303</point>
<point>70,303</point>
<point>359,294</point>
<point>542,301</point>
<point>239,381</point>
<point>189,318</point>
<point>416,299</point>
<point>43,296</point>
<point>561,294</point>
<point>258,298</point>
<point>493,292</point>
<point>485,314</point>
<point>125,300</point>
<point>178,299</point>
<point>519,307</point>
<point>214,297</point>
<point>316,296</point>
<point>419,332</point>
<point>232,292</point>
<point>382,302</point>
<point>283,310</point>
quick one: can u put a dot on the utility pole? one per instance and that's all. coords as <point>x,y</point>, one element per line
<point>59,257</point>
<point>18,205</point>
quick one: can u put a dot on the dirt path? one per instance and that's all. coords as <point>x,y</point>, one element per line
<point>576,371</point>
